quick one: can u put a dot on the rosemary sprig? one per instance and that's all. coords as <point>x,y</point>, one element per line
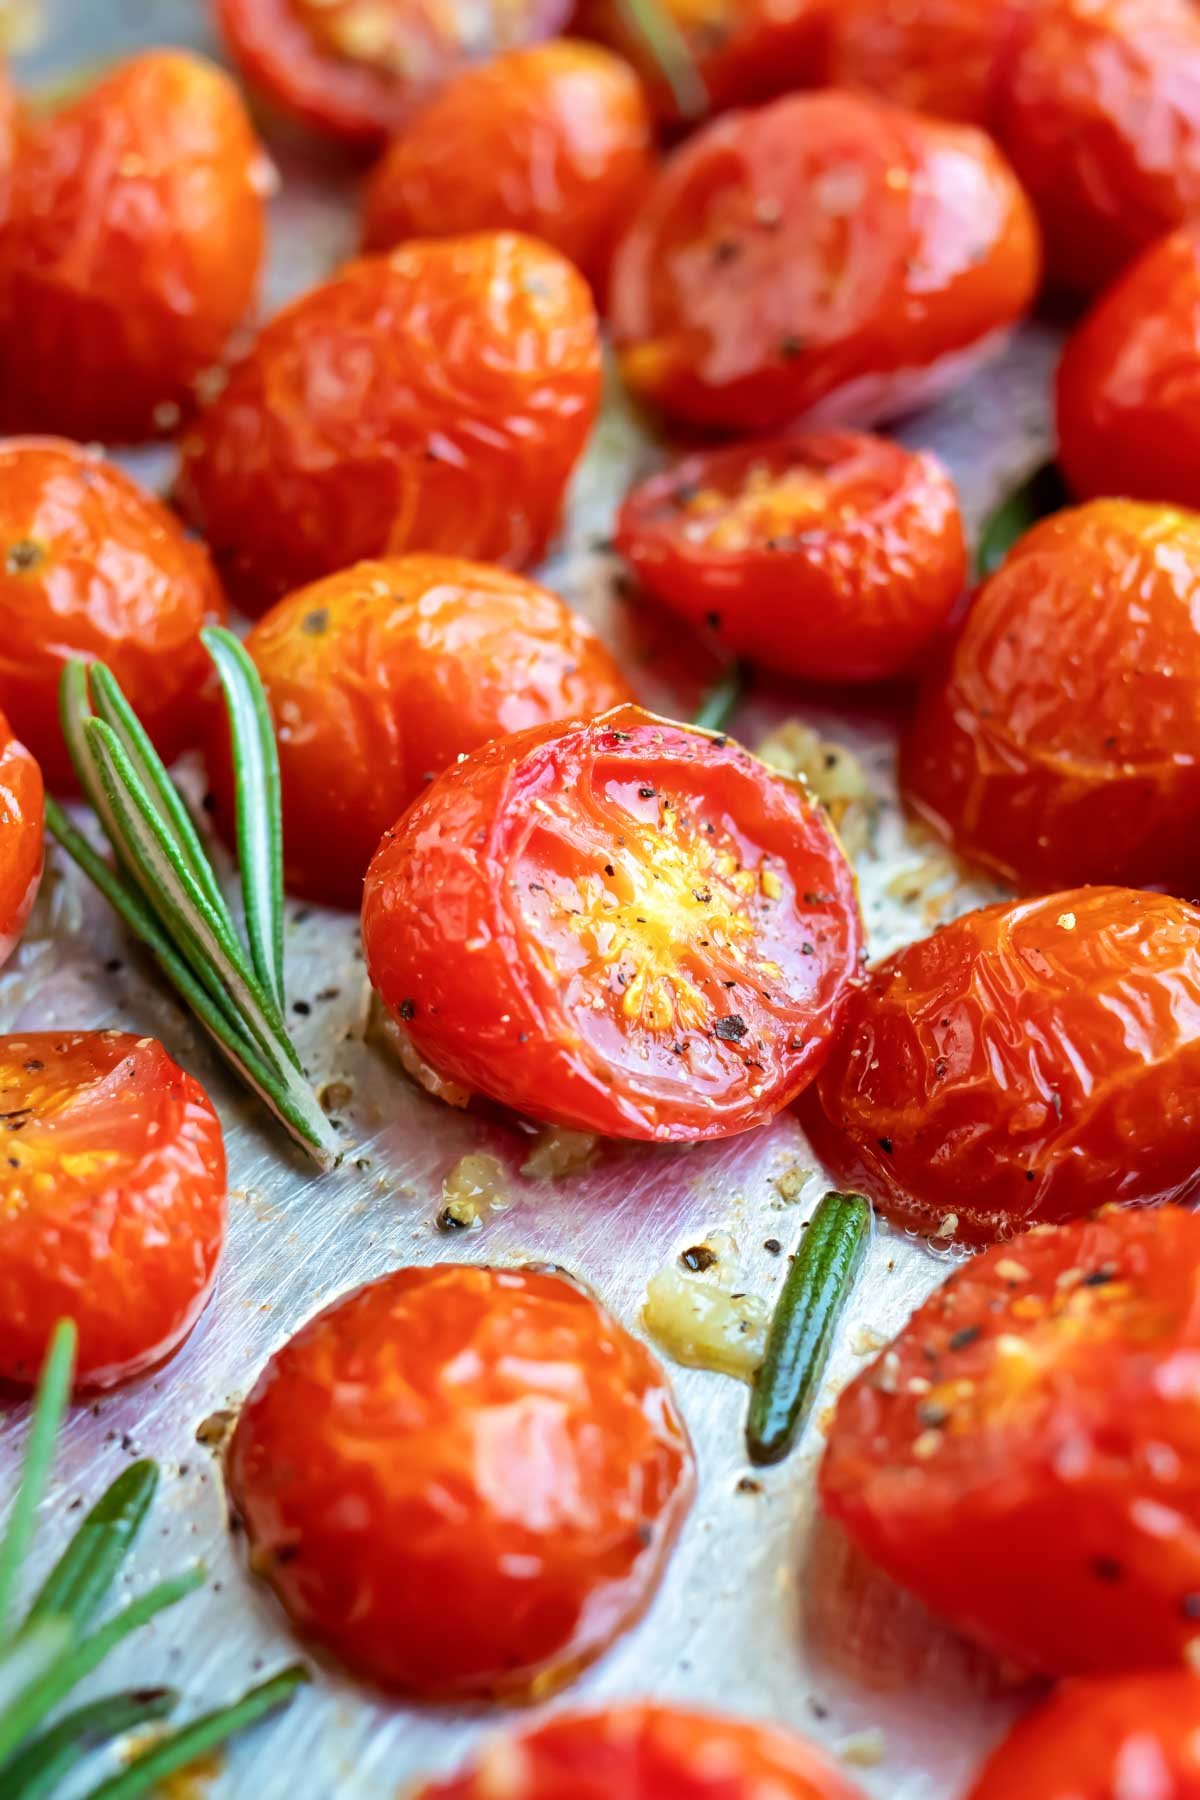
<point>722,699</point>
<point>37,1771</point>
<point>668,49</point>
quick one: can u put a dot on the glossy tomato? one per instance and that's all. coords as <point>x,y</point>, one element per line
<point>382,675</point>
<point>1026,1456</point>
<point>1029,1061</point>
<point>22,837</point>
<point>1134,1736</point>
<point>112,1205</point>
<point>9,126</point>
<point>433,399</point>
<point>1057,741</point>
<point>825,252</point>
<point>944,57</point>
<point>131,251</point>
<point>829,555</point>
<point>92,566</point>
<point>462,1481</point>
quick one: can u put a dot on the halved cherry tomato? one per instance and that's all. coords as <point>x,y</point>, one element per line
<point>553,140</point>
<point>112,1202</point>
<point>1058,741</point>
<point>829,555</point>
<point>22,837</point>
<point>353,69</point>
<point>92,566</point>
<point>827,251</point>
<point>382,675</point>
<point>639,1752</point>
<point>628,927</point>
<point>131,251</point>
<point>1026,1456</point>
<point>462,1481</point>
<point>433,399</point>
<point>1031,1060</point>
<point>944,57</point>
<point>1132,1737</point>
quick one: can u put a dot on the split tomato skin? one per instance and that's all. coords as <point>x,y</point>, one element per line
<point>131,251</point>
<point>22,837</point>
<point>945,57</point>
<point>628,927</point>
<point>1025,1457</point>
<point>112,1205</point>
<point>1090,1737</point>
<point>463,1481</point>
<point>433,399</point>
<point>824,554</point>
<point>1028,1062</point>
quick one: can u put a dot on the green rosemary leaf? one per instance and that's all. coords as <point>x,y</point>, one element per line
<point>721,700</point>
<point>83,1574</point>
<point>35,1772</point>
<point>1040,494</point>
<point>54,1386</point>
<point>27,1657</point>
<point>653,24</point>
<point>74,711</point>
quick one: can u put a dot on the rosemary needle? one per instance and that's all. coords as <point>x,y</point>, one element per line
<point>37,1770</point>
<point>83,1574</point>
<point>49,1406</point>
<point>721,700</point>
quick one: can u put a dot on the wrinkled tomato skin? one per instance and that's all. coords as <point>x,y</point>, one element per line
<point>945,57</point>
<point>827,555</point>
<point>112,1207</point>
<point>462,1481</point>
<point>1029,1061</point>
<point>1055,742</point>
<point>434,399</point>
<point>91,566</point>
<point>1026,1457</point>
<point>633,1750</point>
<point>131,251</point>
<point>380,676</point>
<point>22,839</point>
<point>553,140</point>
<point>626,927</point>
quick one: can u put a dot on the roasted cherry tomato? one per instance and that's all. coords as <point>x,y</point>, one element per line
<point>628,927</point>
<point>433,399</point>
<point>825,554</point>
<point>353,69</point>
<point>22,837</point>
<point>131,251</point>
<point>825,251</point>
<point>638,1752</point>
<point>1057,743</point>
<point>92,566</point>
<point>112,1205</point>
<point>1132,1737</point>
<point>462,1481</point>
<point>553,140</point>
<point>1029,1061</point>
<point>380,676</point>
<point>944,57</point>
<point>9,123</point>
<point>1026,1456</point>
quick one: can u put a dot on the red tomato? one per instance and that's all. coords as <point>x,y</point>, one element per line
<point>112,1206</point>
<point>628,927</point>
<point>9,126</point>
<point>22,839</point>
<point>827,251</point>
<point>92,566</point>
<point>1058,743</point>
<point>132,250</point>
<point>1028,1061</point>
<point>1135,1737</point>
<point>828,555</point>
<point>639,1752</point>
<point>353,70</point>
<point>553,140</point>
<point>462,1481</point>
<point>1026,1456</point>
<point>380,676</point>
<point>944,57</point>
<point>433,399</point>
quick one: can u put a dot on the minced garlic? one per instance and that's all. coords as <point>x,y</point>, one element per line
<point>697,1313</point>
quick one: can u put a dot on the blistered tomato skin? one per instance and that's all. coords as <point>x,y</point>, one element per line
<point>112,1204</point>
<point>434,399</point>
<point>22,838</point>
<point>462,1481</point>
<point>1029,1061</point>
<point>627,927</point>
<point>826,254</point>
<point>945,57</point>
<point>1088,1738</point>
<point>827,555</point>
<point>131,251</point>
<point>380,676</point>
<point>1056,741</point>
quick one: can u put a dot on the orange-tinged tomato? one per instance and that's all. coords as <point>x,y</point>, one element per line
<point>92,566</point>
<point>825,554</point>
<point>828,253</point>
<point>461,1480</point>
<point>944,57</point>
<point>1029,1061</point>
<point>9,128</point>
<point>131,251</point>
<point>1058,743</point>
<point>629,927</point>
<point>22,837</point>
<point>434,399</point>
<point>112,1202</point>
<point>1128,1737</point>
<point>553,140</point>
<point>1026,1456</point>
<point>380,676</point>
